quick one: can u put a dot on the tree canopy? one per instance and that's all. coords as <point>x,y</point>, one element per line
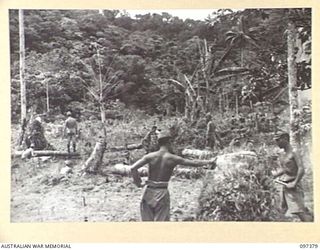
<point>89,57</point>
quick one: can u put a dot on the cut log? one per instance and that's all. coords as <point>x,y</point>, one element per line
<point>125,170</point>
<point>38,153</point>
<point>189,173</point>
<point>128,147</point>
<point>198,154</point>
<point>236,160</point>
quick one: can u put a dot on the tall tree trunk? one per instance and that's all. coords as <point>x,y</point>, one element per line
<point>292,83</point>
<point>241,56</point>
<point>22,69</point>
<point>227,100</point>
<point>207,66</point>
<point>205,59</point>
<point>237,107</point>
<point>223,103</point>
<point>102,112</point>
<point>186,107</point>
<point>220,103</point>
<point>47,92</point>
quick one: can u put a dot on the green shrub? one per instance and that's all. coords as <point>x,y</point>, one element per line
<point>244,192</point>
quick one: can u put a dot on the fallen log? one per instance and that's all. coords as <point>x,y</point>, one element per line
<point>39,153</point>
<point>189,173</point>
<point>198,153</point>
<point>125,170</point>
<point>128,147</point>
<point>236,160</point>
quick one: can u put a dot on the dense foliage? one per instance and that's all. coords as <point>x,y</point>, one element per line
<point>84,58</point>
<point>240,191</point>
<point>137,70</point>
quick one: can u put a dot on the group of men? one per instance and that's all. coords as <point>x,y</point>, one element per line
<point>36,139</point>
<point>155,203</point>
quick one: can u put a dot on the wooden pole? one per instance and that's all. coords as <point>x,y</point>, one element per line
<point>23,98</point>
<point>47,92</point>
<point>220,103</point>
<point>292,86</point>
<point>237,107</point>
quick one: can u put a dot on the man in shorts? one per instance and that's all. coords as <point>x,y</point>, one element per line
<point>155,203</point>
<point>71,131</point>
<point>290,174</point>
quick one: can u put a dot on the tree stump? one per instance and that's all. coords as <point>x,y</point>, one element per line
<point>93,163</point>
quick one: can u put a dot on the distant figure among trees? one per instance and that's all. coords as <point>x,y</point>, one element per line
<point>71,131</point>
<point>150,141</point>
<point>212,138</point>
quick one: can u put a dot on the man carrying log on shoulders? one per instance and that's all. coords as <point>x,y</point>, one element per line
<point>155,203</point>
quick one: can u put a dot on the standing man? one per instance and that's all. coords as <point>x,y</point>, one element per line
<point>155,203</point>
<point>150,141</point>
<point>290,174</point>
<point>70,130</point>
<point>212,138</point>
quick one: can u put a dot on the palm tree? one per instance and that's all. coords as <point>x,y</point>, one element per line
<point>240,36</point>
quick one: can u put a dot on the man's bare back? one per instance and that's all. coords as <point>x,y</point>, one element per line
<point>155,203</point>
<point>162,164</point>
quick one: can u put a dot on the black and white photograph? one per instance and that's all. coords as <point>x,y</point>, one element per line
<point>180,115</point>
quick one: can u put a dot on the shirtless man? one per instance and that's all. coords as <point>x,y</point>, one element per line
<point>70,130</point>
<point>290,174</point>
<point>155,203</point>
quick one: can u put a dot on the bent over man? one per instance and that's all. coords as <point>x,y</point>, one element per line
<point>155,203</point>
<point>71,131</point>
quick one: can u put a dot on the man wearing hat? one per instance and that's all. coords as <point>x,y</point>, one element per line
<point>155,203</point>
<point>70,130</point>
<point>290,174</point>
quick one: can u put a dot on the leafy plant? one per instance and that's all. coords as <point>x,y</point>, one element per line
<point>244,192</point>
